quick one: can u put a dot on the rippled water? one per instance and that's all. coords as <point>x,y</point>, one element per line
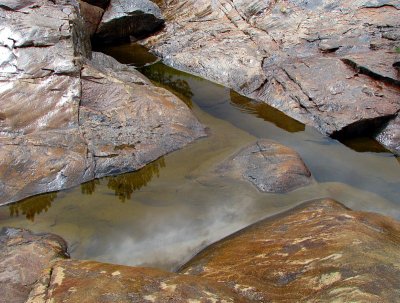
<point>163,214</point>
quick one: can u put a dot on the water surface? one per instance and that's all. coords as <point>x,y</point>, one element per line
<point>163,214</point>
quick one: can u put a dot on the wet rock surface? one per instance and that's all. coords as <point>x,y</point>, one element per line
<point>270,166</point>
<point>89,281</point>
<point>52,133</point>
<point>328,64</point>
<point>23,257</point>
<point>317,252</point>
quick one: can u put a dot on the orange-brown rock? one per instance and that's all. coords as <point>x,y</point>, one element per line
<point>318,252</point>
<point>89,281</point>
<point>23,257</point>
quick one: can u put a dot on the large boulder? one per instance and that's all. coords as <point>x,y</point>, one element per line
<point>53,135</point>
<point>268,165</point>
<point>329,64</point>
<point>318,252</point>
<point>122,19</point>
<point>390,136</point>
<point>23,257</point>
<point>90,281</point>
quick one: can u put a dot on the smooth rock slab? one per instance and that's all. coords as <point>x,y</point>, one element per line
<point>23,257</point>
<point>89,281</point>
<point>318,252</point>
<point>270,166</point>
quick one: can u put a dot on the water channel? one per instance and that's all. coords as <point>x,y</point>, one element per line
<point>163,214</point>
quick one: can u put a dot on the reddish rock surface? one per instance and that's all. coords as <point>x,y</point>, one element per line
<point>23,257</point>
<point>317,252</point>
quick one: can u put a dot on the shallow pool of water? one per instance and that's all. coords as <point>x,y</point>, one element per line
<point>163,214</point>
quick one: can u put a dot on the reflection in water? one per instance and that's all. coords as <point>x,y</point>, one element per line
<point>266,112</point>
<point>132,54</point>
<point>171,80</point>
<point>32,206</point>
<point>124,185</point>
<point>364,144</point>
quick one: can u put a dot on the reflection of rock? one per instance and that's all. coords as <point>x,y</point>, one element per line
<point>64,119</point>
<point>156,73</point>
<point>124,185</point>
<point>266,112</point>
<point>89,281</point>
<point>326,64</point>
<point>270,166</point>
<point>126,18</point>
<point>23,257</point>
<point>32,206</point>
<point>317,252</point>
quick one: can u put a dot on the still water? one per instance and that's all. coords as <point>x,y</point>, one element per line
<point>163,214</point>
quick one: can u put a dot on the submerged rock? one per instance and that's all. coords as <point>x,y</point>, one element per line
<point>23,257</point>
<point>328,64</point>
<point>90,281</point>
<point>270,166</point>
<point>318,252</point>
<point>66,119</point>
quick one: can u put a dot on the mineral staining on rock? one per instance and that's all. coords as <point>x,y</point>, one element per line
<point>317,252</point>
<point>51,93</point>
<point>331,65</point>
<point>270,166</point>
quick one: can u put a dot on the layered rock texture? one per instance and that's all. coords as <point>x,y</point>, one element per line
<point>317,252</point>
<point>268,165</point>
<point>23,257</point>
<point>329,64</point>
<point>66,119</point>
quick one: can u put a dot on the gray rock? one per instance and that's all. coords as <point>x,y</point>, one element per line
<point>125,18</point>
<point>270,166</point>
<point>328,64</point>
<point>390,136</point>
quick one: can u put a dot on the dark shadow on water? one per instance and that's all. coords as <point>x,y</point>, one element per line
<point>131,54</point>
<point>124,185</point>
<point>32,206</point>
<point>169,78</point>
<point>364,144</point>
<point>266,112</point>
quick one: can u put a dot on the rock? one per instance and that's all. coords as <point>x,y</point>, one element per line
<point>129,124</point>
<point>92,15</point>
<point>52,134</point>
<point>270,166</point>
<point>390,136</point>
<point>122,19</point>
<point>317,252</point>
<point>328,64</point>
<point>100,3</point>
<point>89,281</point>
<point>23,257</point>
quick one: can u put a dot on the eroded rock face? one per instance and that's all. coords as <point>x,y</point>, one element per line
<point>126,18</point>
<point>329,64</point>
<point>317,252</point>
<point>52,134</point>
<point>23,257</point>
<point>270,166</point>
<point>390,136</point>
<point>89,281</point>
